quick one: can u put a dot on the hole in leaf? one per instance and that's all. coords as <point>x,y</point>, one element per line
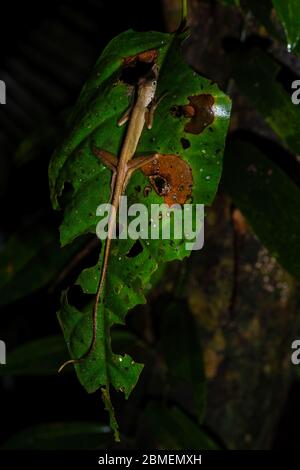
<point>66,195</point>
<point>77,298</point>
<point>176,111</point>
<point>135,250</point>
<point>86,257</point>
<point>161,184</point>
<point>138,66</point>
<point>185,143</point>
<point>90,253</point>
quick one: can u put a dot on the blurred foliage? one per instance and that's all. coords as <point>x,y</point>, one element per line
<point>267,197</point>
<point>288,12</point>
<point>61,436</point>
<point>170,429</point>
<point>39,357</point>
<point>30,259</point>
<point>179,333</point>
<point>257,76</point>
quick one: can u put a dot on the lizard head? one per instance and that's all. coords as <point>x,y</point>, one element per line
<point>147,84</point>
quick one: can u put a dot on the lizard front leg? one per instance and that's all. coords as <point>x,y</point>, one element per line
<point>149,113</point>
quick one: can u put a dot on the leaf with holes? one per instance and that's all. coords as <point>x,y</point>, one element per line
<point>189,132</point>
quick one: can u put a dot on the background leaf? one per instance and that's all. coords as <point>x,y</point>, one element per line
<point>268,198</point>
<point>288,12</point>
<point>30,259</point>
<point>256,75</point>
<point>181,347</point>
<point>169,428</point>
<point>61,436</point>
<point>39,357</point>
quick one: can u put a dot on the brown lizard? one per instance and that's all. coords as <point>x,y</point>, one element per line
<point>122,169</point>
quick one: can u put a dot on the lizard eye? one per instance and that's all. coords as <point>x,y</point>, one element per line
<point>154,83</point>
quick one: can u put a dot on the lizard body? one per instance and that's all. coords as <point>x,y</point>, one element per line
<point>122,169</point>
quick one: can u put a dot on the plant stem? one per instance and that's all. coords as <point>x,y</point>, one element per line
<point>184,11</point>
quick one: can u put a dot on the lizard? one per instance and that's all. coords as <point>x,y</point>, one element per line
<point>122,169</point>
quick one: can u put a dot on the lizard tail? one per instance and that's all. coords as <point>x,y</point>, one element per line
<point>95,310</point>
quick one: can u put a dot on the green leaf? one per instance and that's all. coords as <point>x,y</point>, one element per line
<point>256,76</point>
<point>288,12</point>
<point>180,335</point>
<point>30,259</point>
<point>103,100</point>
<point>61,436</point>
<point>171,429</point>
<point>268,199</point>
<point>39,357</point>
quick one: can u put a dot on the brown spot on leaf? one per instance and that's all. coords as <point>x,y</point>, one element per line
<point>204,114</point>
<point>189,111</point>
<point>171,177</point>
<point>199,111</point>
<point>145,56</point>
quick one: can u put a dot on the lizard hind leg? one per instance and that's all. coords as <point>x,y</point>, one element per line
<point>137,163</point>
